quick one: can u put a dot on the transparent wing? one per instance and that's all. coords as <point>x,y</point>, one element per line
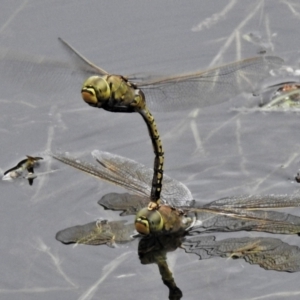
<point>268,253</point>
<point>173,193</point>
<point>209,87</point>
<point>131,175</point>
<point>212,220</point>
<point>82,61</point>
<point>38,75</point>
<point>256,202</point>
<point>43,77</point>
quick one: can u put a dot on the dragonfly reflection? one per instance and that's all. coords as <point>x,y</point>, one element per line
<point>224,215</point>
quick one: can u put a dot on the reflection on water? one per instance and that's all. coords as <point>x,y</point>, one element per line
<point>97,233</point>
<point>153,250</point>
<point>269,253</point>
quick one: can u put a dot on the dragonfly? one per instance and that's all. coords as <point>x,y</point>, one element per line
<point>239,213</point>
<point>117,93</point>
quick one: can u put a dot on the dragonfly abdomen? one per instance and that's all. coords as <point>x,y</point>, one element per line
<point>159,154</point>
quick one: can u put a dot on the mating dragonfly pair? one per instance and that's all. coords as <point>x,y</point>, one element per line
<point>172,209</point>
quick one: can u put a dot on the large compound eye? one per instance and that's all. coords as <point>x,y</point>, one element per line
<point>148,221</point>
<point>95,91</point>
<point>89,96</point>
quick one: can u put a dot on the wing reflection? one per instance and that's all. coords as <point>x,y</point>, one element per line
<point>268,253</point>
<point>97,233</point>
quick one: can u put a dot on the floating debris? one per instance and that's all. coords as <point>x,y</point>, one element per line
<point>287,96</point>
<point>23,166</point>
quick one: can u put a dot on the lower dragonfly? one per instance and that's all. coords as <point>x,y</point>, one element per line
<point>243,213</point>
<point>116,93</point>
<point>227,214</point>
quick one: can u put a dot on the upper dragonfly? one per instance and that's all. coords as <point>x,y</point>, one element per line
<point>116,93</point>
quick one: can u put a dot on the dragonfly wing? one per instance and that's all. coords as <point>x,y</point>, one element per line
<point>39,79</point>
<point>91,169</point>
<point>268,253</point>
<point>209,87</point>
<point>256,202</point>
<point>211,220</point>
<point>135,174</point>
<point>130,175</point>
<point>85,65</point>
<point>82,62</point>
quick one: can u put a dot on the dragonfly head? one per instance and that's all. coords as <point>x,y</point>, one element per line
<point>95,91</point>
<point>148,221</point>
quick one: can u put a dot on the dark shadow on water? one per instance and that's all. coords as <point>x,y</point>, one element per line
<point>269,253</point>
